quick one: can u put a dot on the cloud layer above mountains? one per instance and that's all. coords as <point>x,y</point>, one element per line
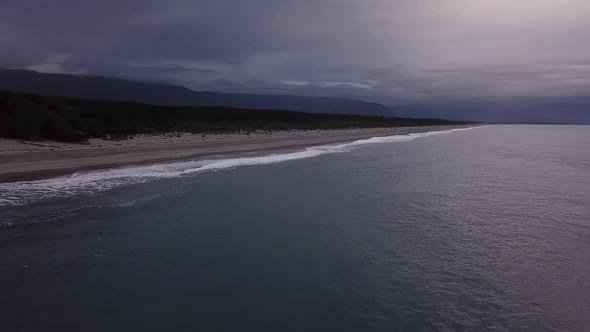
<point>383,50</point>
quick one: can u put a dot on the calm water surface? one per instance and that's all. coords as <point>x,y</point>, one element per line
<point>487,229</point>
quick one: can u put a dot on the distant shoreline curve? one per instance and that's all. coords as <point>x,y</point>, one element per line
<point>62,160</point>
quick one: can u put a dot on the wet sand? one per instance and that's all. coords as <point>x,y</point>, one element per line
<point>27,160</point>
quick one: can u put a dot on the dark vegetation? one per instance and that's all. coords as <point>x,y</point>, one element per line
<point>27,116</point>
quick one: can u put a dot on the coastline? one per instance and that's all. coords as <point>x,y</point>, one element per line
<point>29,161</point>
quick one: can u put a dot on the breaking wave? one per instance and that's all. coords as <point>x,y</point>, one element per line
<point>20,193</point>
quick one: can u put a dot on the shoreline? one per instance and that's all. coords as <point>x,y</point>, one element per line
<point>30,161</point>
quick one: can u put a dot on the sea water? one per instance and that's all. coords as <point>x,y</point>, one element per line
<point>481,229</point>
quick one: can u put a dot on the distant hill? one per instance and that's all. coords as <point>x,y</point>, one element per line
<point>90,87</point>
<point>557,110</point>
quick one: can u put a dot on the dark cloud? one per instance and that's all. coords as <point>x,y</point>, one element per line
<point>375,49</point>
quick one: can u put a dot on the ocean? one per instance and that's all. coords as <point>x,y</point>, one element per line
<point>470,230</point>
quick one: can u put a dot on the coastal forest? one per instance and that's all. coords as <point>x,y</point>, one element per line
<point>35,117</point>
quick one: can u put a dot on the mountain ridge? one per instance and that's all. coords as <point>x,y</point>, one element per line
<point>116,89</point>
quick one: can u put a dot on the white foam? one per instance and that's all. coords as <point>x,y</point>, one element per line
<point>19,193</point>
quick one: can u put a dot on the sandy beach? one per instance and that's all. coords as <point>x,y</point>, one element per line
<point>33,160</point>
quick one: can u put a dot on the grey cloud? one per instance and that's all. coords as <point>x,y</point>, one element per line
<point>375,49</point>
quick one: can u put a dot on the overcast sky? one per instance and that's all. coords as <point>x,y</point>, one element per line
<point>383,50</point>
